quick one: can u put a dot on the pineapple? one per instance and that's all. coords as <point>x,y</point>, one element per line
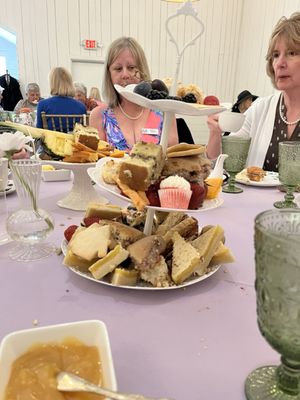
<point>59,143</point>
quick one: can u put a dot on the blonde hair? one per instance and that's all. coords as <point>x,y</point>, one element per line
<point>289,30</point>
<point>109,92</point>
<point>61,82</point>
<point>80,87</point>
<point>95,93</point>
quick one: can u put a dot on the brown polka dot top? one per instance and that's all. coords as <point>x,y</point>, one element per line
<point>279,135</point>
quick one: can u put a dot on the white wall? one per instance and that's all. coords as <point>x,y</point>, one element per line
<point>228,57</point>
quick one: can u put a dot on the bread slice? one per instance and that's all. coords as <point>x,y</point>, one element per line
<point>223,255</point>
<point>172,219</point>
<point>146,252</point>
<point>71,260</point>
<point>185,259</point>
<point>158,274</point>
<point>124,277</point>
<point>206,245</point>
<point>107,264</point>
<point>188,227</point>
<point>87,242</point>
<point>105,211</point>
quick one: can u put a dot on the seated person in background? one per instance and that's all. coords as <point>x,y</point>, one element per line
<point>33,96</point>
<point>95,95</point>
<point>62,101</point>
<point>275,118</point>
<point>123,123</point>
<point>80,95</point>
<point>244,101</point>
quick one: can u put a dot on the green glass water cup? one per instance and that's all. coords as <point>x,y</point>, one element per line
<point>277,284</point>
<point>237,149</point>
<point>289,172</point>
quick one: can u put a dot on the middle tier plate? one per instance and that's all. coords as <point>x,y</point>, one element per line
<point>165,105</point>
<point>96,175</point>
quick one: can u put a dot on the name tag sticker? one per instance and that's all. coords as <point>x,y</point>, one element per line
<point>149,131</point>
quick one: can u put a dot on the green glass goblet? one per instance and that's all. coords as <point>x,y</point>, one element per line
<point>289,172</point>
<point>277,284</point>
<point>237,150</point>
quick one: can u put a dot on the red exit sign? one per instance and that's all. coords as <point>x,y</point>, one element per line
<point>90,44</point>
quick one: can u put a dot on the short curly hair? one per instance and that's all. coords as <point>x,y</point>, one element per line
<point>289,29</point>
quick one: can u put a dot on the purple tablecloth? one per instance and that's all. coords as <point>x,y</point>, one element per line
<point>195,343</point>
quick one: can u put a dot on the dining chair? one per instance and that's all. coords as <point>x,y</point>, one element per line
<point>63,122</point>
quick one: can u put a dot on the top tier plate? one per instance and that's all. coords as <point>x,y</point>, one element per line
<point>174,106</point>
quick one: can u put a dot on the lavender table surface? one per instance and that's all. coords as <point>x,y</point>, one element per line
<point>195,343</point>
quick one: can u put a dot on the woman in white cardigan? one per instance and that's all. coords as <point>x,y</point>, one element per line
<point>275,118</point>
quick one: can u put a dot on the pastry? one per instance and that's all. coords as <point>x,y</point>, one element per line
<point>143,167</point>
<point>185,259</point>
<point>146,252</point>
<point>207,244</point>
<point>256,174</point>
<point>174,192</point>
<point>193,168</point>
<point>108,263</point>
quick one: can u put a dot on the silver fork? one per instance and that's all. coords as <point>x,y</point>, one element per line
<point>67,382</point>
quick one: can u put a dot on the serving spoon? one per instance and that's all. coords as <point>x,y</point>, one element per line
<point>67,382</point>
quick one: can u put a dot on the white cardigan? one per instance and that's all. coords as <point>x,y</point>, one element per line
<point>259,124</point>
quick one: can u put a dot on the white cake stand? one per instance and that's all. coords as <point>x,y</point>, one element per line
<point>83,191</point>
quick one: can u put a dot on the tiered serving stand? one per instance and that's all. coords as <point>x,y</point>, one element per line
<point>169,108</point>
<point>83,191</point>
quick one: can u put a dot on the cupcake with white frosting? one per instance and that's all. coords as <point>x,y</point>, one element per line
<point>174,192</point>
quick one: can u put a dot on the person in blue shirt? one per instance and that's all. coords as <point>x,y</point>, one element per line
<point>61,101</point>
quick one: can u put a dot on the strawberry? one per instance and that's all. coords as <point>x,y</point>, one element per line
<point>87,221</point>
<point>69,232</point>
<point>198,196</point>
<point>152,195</point>
<point>211,101</point>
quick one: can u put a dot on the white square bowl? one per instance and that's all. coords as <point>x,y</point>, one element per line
<point>56,175</point>
<point>90,332</point>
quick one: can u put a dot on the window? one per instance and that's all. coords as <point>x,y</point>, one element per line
<point>8,53</point>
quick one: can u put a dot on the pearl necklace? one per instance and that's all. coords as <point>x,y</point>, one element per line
<point>129,116</point>
<point>283,118</point>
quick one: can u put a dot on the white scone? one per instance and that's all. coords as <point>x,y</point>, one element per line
<point>107,264</point>
<point>87,242</point>
<point>207,244</point>
<point>158,274</point>
<point>185,259</point>
<point>110,171</point>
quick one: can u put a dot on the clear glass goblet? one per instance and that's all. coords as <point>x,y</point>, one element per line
<point>237,150</point>
<point>277,284</point>
<point>29,225</point>
<point>289,172</point>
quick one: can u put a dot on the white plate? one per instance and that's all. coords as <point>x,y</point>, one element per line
<point>96,175</point>
<point>10,188</point>
<point>177,107</point>
<point>270,180</point>
<point>142,285</point>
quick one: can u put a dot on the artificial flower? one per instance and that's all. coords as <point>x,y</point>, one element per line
<point>11,143</point>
